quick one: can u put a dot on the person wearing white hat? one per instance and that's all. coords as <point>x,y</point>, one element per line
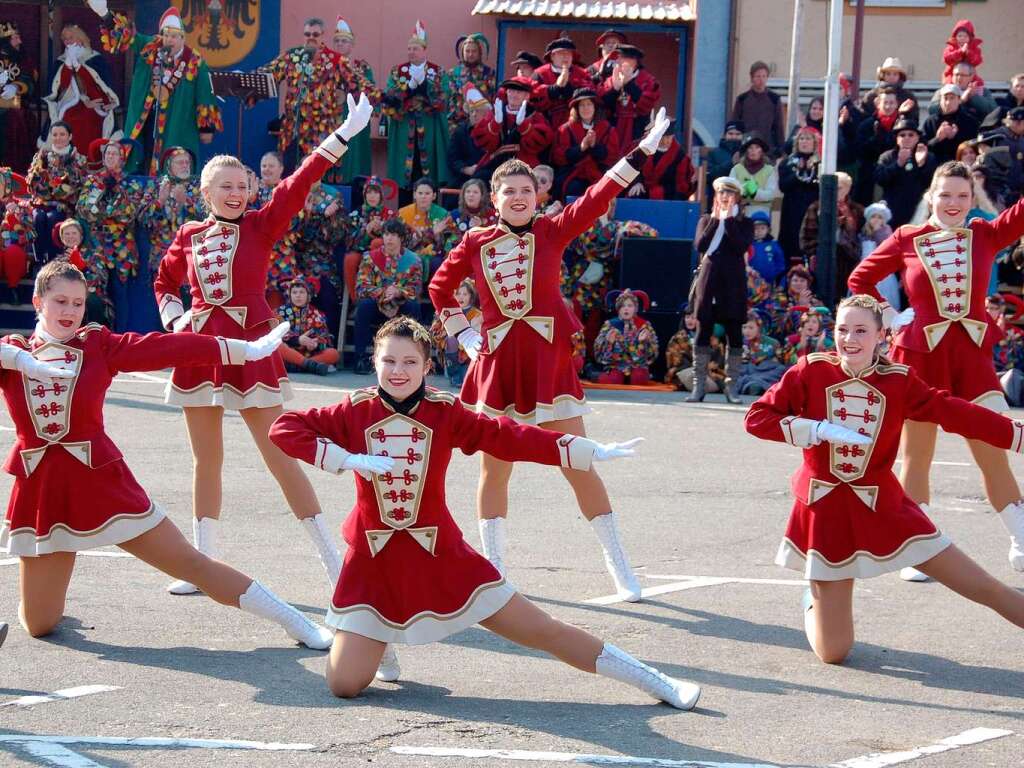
<point>182,111</point>
<point>357,160</point>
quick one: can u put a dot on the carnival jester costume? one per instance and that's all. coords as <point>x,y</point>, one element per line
<point>475,73</point>
<point>162,218</point>
<point>357,160</point>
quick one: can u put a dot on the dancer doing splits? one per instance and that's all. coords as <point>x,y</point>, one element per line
<point>409,576</point>
<point>851,518</point>
<point>225,260</point>
<point>522,358</point>
<point>72,489</point>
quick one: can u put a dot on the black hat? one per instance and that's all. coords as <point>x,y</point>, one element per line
<point>735,125</point>
<point>754,138</point>
<point>525,57</point>
<point>582,94</point>
<point>611,33</point>
<point>905,124</point>
<point>517,83</point>
<point>1017,113</point>
<point>630,52</point>
<point>560,44</point>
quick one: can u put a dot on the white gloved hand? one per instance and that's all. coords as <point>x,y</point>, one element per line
<point>99,7</point>
<point>826,431</point>
<point>606,451</point>
<point>593,273</point>
<point>897,320</point>
<point>73,55</point>
<point>471,341</point>
<point>649,143</point>
<point>182,322</point>
<point>521,113</point>
<point>417,74</point>
<point>367,465</point>
<point>39,370</point>
<point>4,77</point>
<point>499,111</point>
<point>9,92</point>
<point>359,114</point>
<point>265,345</point>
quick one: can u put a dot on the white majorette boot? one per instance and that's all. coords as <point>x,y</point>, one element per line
<point>626,582</point>
<point>619,665</point>
<point>494,539</point>
<point>316,529</point>
<point>260,601</point>
<point>389,670</point>
<point>1013,519</point>
<point>204,536</point>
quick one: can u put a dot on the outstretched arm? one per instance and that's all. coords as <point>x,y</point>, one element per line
<point>974,422</point>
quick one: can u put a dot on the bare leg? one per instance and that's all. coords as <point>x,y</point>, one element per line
<point>590,491</point>
<point>917,444</point>
<point>829,621</point>
<point>206,437</point>
<point>352,663</point>
<point>960,573</point>
<point>44,589</point>
<point>164,548</point>
<point>1000,486</point>
<point>297,489</point>
<point>524,623</point>
<point>492,490</point>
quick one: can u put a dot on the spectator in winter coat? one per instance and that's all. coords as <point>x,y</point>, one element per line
<point>962,45</point>
<point>766,256</point>
<point>1015,98</point>
<point>558,80</point>
<point>760,108</point>
<point>975,98</point>
<point>875,136</point>
<point>798,183</point>
<point>463,153</point>
<point>756,175</point>
<point>905,172</point>
<point>813,119</point>
<point>629,95</point>
<point>875,232</point>
<point>1012,133</point>
<point>944,132</point>
<point>586,147</point>
<point>722,158</point>
<point>891,75</point>
<point>850,219</point>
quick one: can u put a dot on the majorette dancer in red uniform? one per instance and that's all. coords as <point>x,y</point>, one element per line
<point>851,518</point>
<point>522,361</point>
<point>225,260</point>
<point>409,576</point>
<point>72,489</point>
<point>945,334</point>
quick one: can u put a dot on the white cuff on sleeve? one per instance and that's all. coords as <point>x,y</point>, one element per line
<point>9,356</point>
<point>232,351</point>
<point>332,148</point>
<point>576,452</point>
<point>623,173</point>
<point>454,321</point>
<point>171,309</point>
<point>798,431</point>
<point>330,457</point>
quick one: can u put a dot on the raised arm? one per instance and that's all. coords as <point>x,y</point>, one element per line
<point>153,351</point>
<point>1006,228</point>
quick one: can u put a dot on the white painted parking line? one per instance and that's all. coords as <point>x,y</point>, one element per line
<point>883,759</point>
<point>86,553</point>
<point>693,582</point>
<point>568,757</point>
<point>58,755</point>
<point>62,695</point>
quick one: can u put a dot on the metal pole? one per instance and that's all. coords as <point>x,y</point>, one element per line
<point>827,224</point>
<point>794,66</point>
<point>858,44</point>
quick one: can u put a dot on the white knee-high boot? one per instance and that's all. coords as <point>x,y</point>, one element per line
<point>1013,518</point>
<point>389,670</point>
<point>494,538</point>
<point>260,601</point>
<point>626,584</point>
<point>316,529</point>
<point>619,665</point>
<point>204,536</point>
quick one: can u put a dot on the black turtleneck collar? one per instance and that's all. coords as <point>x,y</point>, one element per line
<point>518,230</point>
<point>407,406</point>
<point>226,220</point>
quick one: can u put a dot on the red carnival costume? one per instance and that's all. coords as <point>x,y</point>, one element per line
<point>669,175</point>
<point>526,140</point>
<point>585,165</point>
<point>72,489</point>
<point>409,576</point>
<point>946,275</point>
<point>225,263</point>
<point>851,518</point>
<point>525,368</point>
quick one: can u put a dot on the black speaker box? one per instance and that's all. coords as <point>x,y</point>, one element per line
<point>661,266</point>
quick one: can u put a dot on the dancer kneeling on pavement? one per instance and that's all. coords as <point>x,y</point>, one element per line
<point>409,576</point>
<point>851,518</point>
<point>72,489</point>
<point>522,360</point>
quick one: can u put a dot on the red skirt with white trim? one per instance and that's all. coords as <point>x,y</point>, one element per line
<point>840,537</point>
<point>960,367</point>
<point>65,506</point>
<point>526,378</point>
<point>404,594</point>
<point>257,384</point>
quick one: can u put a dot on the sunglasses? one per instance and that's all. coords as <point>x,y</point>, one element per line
<point>312,34</point>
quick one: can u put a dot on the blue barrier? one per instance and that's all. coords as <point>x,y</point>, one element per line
<point>672,218</point>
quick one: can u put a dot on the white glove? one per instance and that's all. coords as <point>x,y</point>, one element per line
<point>521,113</point>
<point>182,322</point>
<point>4,77</point>
<point>606,451</point>
<point>417,74</point>
<point>72,54</point>
<point>649,143</point>
<point>39,370</point>
<point>358,116</point>
<point>368,466</point>
<point>826,431</point>
<point>9,92</point>
<point>894,320</point>
<point>265,345</point>
<point>99,7</point>
<point>593,273</point>
<point>471,341</point>
<point>499,111</point>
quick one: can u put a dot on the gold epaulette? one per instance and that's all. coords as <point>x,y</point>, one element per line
<point>18,340</point>
<point>893,368</point>
<point>362,395</point>
<point>85,330</point>
<point>439,396</point>
<point>822,357</point>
